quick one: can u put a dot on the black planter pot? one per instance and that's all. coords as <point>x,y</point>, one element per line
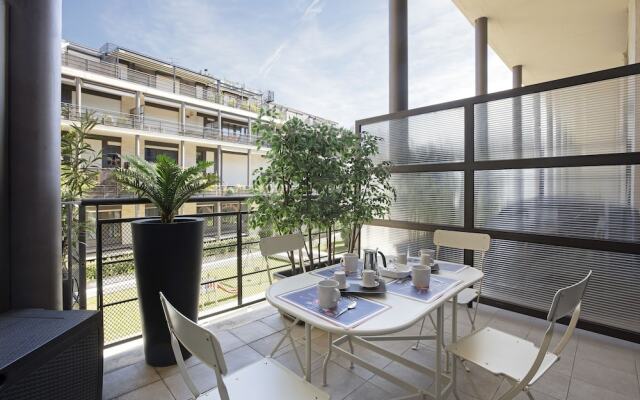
<point>168,259</point>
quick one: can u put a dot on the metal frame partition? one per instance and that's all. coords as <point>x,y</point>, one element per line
<point>582,94</point>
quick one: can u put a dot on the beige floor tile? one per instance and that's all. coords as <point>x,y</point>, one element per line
<point>553,384</point>
<point>368,391</point>
<point>289,360</point>
<point>252,331</point>
<point>266,344</point>
<point>127,379</point>
<point>478,382</point>
<point>581,390</point>
<point>203,377</point>
<point>124,358</point>
<point>241,357</point>
<point>275,321</point>
<point>155,391</point>
<point>173,369</point>
<point>607,352</point>
<point>615,380</point>
<point>340,382</point>
<point>523,396</point>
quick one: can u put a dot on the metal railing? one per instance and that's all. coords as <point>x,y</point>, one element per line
<point>72,112</point>
<point>100,267</point>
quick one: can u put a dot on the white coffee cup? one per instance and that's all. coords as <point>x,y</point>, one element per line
<point>401,259</point>
<point>420,276</point>
<point>328,293</point>
<point>341,278</point>
<point>350,262</point>
<point>427,256</point>
<point>369,278</point>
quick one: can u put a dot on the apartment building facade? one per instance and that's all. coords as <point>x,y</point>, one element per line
<point>145,106</point>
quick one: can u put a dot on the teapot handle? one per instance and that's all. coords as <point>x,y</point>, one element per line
<point>384,259</point>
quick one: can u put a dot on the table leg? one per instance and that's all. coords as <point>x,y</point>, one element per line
<point>454,338</point>
<point>326,360</point>
<point>438,375</point>
<point>307,350</point>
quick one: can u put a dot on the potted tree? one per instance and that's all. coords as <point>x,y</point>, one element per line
<point>167,251</point>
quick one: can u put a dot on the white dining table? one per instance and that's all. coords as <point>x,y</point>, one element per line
<point>402,313</point>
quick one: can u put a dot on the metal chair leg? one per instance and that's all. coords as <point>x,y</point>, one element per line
<point>351,350</point>
<point>529,395</point>
<point>326,360</point>
<point>420,334</point>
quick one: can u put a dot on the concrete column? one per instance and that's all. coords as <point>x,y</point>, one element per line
<point>481,55</point>
<point>34,151</point>
<point>219,124</point>
<point>79,95</point>
<point>249,168</point>
<point>183,116</point>
<point>138,146</point>
<point>219,164</point>
<point>398,56</point>
<point>5,227</point>
<point>183,155</point>
<point>138,110</point>
<point>516,76</point>
<point>249,128</point>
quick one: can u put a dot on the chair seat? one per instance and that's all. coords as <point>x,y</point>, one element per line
<point>267,380</point>
<point>467,295</point>
<point>501,353</point>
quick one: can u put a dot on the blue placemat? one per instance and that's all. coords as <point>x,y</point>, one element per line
<point>438,285</point>
<point>444,265</point>
<point>307,299</point>
<point>327,272</point>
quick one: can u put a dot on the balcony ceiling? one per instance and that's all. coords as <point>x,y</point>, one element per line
<point>554,39</point>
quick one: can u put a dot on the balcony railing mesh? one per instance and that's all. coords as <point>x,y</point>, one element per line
<point>550,171</point>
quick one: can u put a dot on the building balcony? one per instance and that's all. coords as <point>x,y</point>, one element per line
<point>141,78</point>
<point>70,112</point>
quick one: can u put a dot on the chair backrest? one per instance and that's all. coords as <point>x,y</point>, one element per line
<point>567,299</point>
<point>280,244</point>
<point>462,240</point>
<point>197,340</point>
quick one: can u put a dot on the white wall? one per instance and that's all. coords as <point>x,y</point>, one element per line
<point>100,103</point>
<point>161,113</point>
<point>234,169</point>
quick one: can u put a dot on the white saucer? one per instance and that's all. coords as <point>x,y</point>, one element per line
<point>371,287</point>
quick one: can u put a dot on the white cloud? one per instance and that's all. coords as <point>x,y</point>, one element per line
<point>326,58</point>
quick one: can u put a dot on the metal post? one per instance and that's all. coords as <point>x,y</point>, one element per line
<point>239,254</point>
<point>34,84</point>
<point>469,178</point>
<point>79,96</point>
<point>398,56</point>
<point>219,165</point>
<point>99,297</point>
<point>68,286</point>
<point>5,228</point>
<point>82,257</point>
<point>481,55</point>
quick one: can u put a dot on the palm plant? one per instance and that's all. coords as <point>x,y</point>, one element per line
<point>164,182</point>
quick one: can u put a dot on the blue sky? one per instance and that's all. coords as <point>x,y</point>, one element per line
<point>326,57</point>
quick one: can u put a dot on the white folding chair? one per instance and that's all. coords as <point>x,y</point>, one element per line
<point>269,247</point>
<point>479,242</point>
<point>265,379</point>
<point>516,359</point>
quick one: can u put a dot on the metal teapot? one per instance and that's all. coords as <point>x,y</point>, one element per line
<point>371,260</point>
